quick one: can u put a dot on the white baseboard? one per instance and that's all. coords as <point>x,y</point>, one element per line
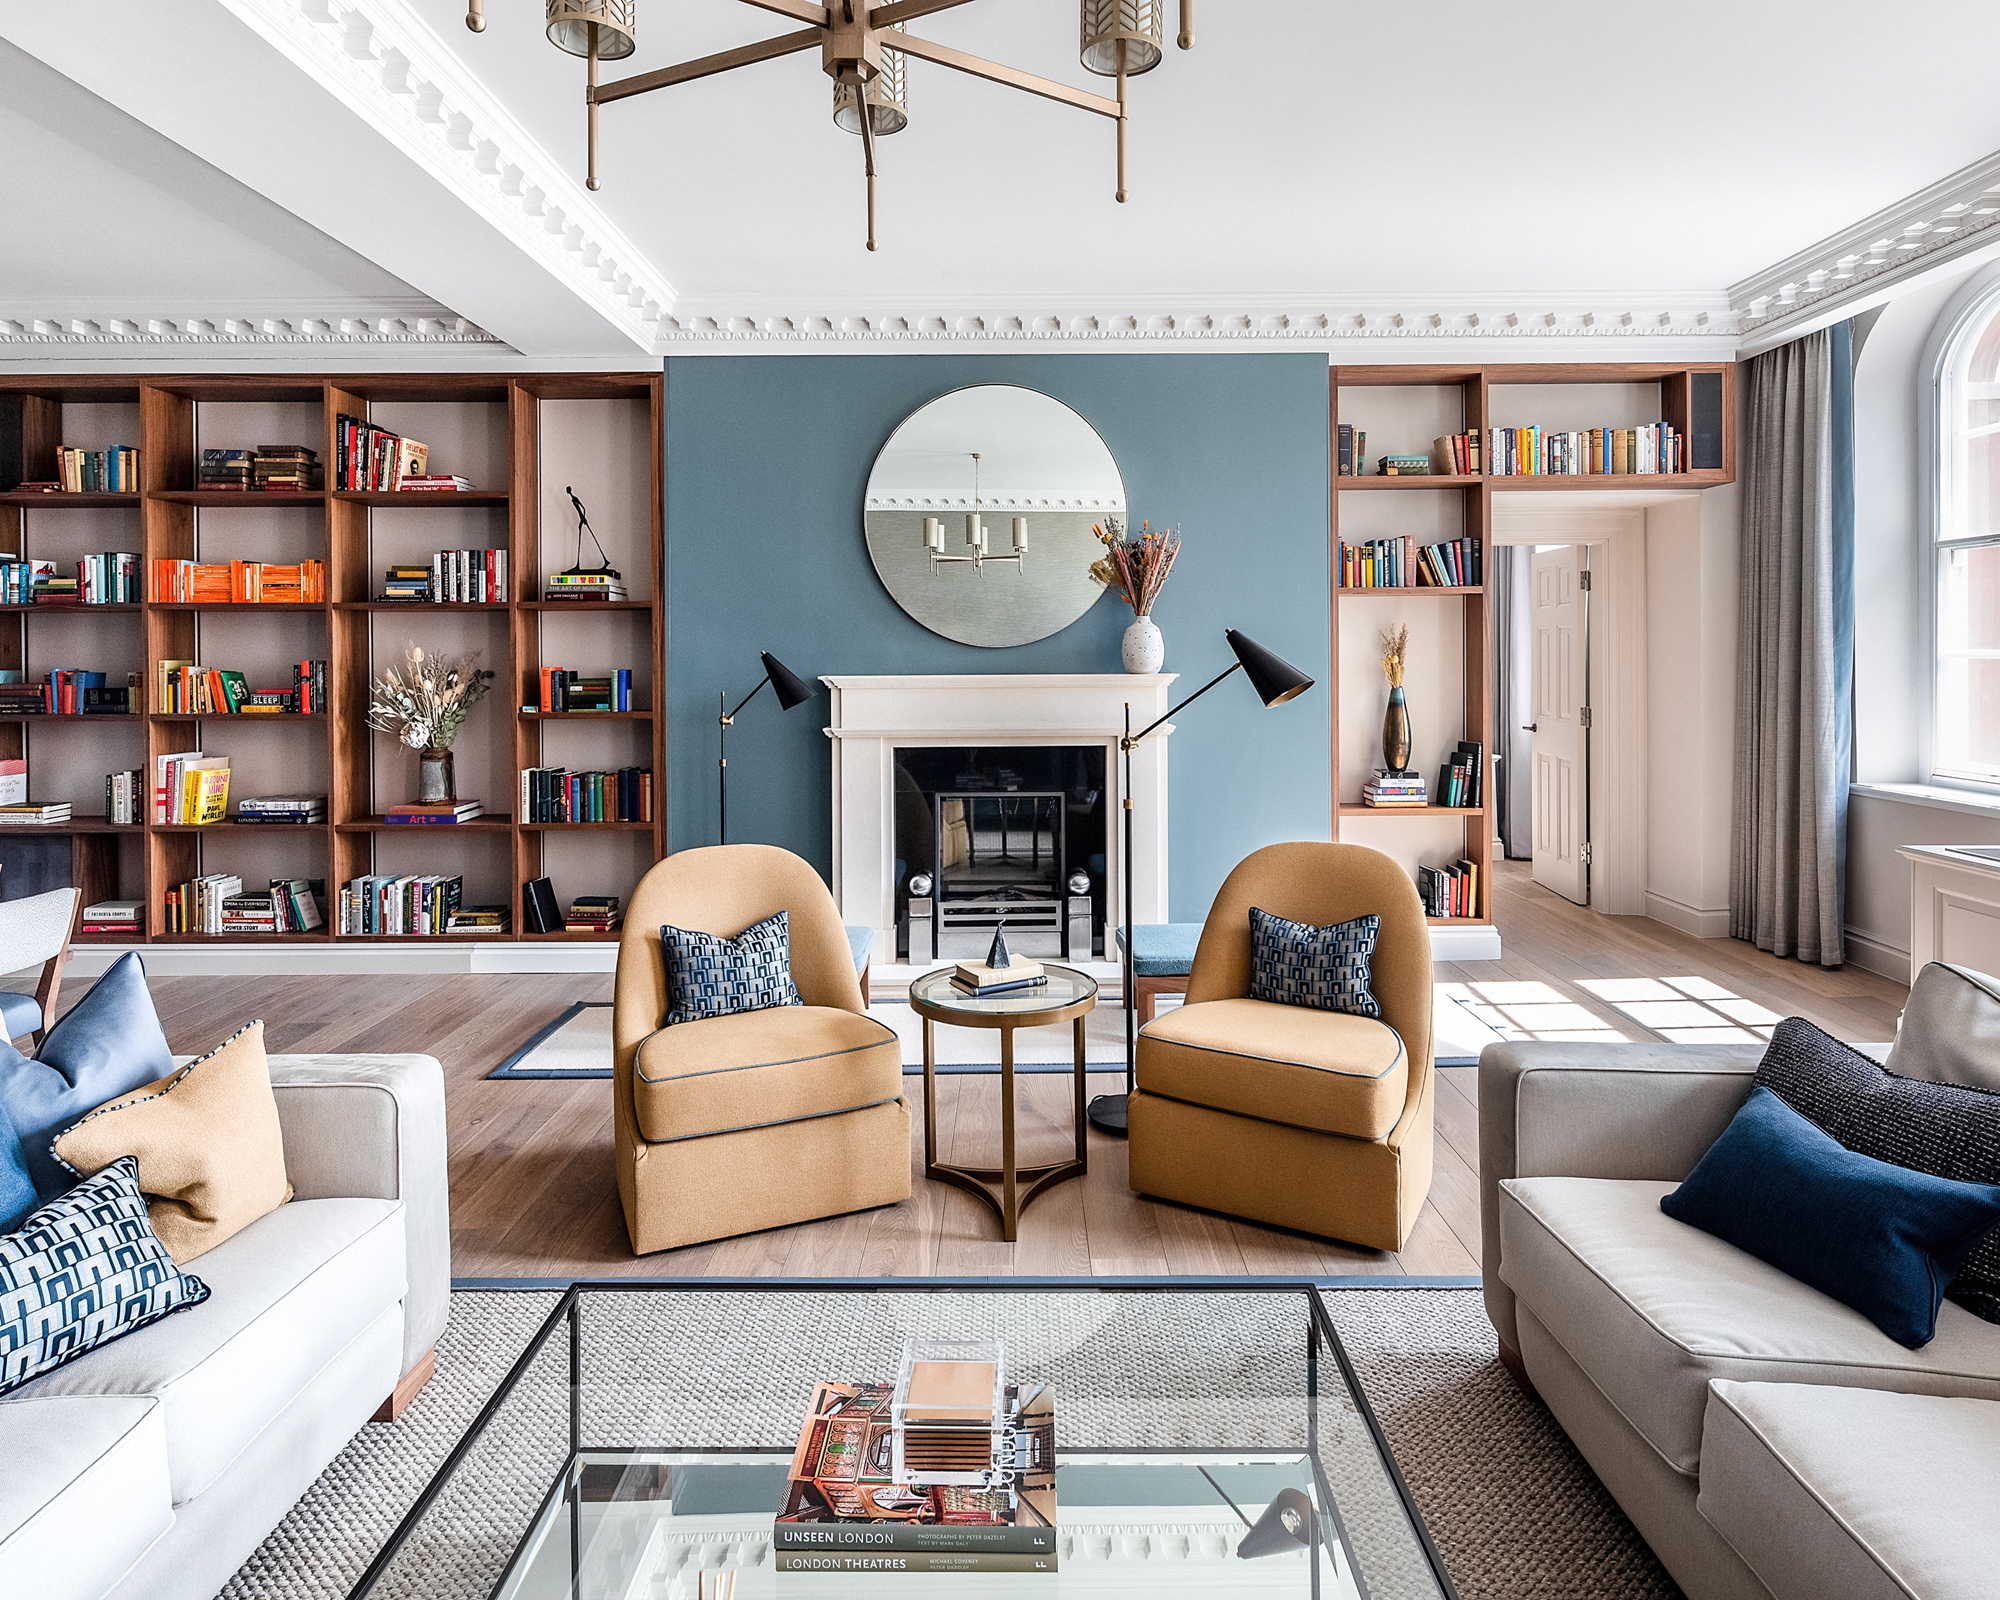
<point>255,959</point>
<point>1465,944</point>
<point>1874,955</point>
<point>1692,920</point>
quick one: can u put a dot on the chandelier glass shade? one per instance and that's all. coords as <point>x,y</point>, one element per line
<point>1140,25</point>
<point>887,94</point>
<point>617,27</point>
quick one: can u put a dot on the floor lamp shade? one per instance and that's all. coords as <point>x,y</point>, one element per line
<point>1274,678</point>
<point>793,690</point>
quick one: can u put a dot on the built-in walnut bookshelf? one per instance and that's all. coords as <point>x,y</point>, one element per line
<point>521,439</point>
<point>1403,409</point>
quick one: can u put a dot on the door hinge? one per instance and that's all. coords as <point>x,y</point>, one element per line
<point>1583,716</point>
<point>1583,579</point>
<point>1583,852</point>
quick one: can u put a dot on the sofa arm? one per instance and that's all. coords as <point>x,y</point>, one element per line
<point>372,1128</point>
<point>1596,1111</point>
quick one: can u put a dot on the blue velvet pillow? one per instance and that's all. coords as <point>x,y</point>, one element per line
<point>17,1189</point>
<point>1880,1238</point>
<point>709,976</point>
<point>107,1044</point>
<point>1298,964</point>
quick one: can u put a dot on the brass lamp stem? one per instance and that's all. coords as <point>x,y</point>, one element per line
<point>867,147</point>
<point>1186,39</point>
<point>590,102</point>
<point>1121,121</point>
<point>475,15</point>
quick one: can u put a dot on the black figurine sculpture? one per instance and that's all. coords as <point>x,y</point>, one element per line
<point>998,958</point>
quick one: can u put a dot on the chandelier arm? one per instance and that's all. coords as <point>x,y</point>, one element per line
<point>908,11</point>
<point>1186,39</point>
<point>590,114</point>
<point>798,10</point>
<point>1009,77</point>
<point>1120,193</point>
<point>743,55</point>
<point>867,146</point>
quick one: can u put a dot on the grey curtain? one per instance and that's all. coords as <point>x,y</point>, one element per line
<point>1795,651</point>
<point>1513,697</point>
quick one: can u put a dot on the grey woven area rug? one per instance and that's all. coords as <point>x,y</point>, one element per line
<point>1514,1510</point>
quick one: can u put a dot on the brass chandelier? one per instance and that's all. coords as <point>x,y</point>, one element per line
<point>864,46</point>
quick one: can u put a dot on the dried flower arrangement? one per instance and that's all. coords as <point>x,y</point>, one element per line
<point>424,701</point>
<point>1136,568</point>
<point>1395,648</point>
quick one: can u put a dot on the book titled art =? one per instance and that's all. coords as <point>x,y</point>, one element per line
<point>931,1561</point>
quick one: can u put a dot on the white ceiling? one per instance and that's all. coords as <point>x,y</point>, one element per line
<point>1303,147</point>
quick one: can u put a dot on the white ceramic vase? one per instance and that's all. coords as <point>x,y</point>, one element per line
<point>1144,648</point>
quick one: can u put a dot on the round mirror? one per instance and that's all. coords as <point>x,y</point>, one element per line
<point>979,512</point>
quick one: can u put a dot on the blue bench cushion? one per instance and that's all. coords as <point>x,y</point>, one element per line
<point>861,941</point>
<point>1163,949</point>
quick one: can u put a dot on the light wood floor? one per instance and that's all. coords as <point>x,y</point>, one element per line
<point>532,1192</point>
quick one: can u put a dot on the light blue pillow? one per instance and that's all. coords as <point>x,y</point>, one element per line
<point>1298,964</point>
<point>107,1044</point>
<point>709,976</point>
<point>82,1271</point>
<point>17,1189</point>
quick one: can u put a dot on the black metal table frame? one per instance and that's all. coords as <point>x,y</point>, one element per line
<point>568,1312</point>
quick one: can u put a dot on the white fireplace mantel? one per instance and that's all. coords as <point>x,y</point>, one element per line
<point>873,717</point>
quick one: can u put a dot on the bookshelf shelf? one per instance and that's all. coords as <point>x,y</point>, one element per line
<point>585,716</point>
<point>586,606</point>
<point>1403,409</point>
<point>77,825</point>
<point>501,430</point>
<point>70,611</point>
<point>238,605</point>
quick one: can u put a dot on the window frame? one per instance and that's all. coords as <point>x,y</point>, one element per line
<point>1967,317</point>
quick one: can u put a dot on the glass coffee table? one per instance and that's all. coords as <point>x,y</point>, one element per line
<point>1209,1440</point>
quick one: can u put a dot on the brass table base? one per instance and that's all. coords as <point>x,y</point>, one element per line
<point>1017,1185</point>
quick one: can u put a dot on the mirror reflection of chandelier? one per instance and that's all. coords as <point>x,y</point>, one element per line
<point>975,535</point>
<point>864,46</point>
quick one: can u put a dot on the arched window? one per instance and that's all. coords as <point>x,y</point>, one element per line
<point>1966,615</point>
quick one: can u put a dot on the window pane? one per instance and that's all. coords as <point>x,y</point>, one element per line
<point>1969,662</point>
<point>1976,503</point>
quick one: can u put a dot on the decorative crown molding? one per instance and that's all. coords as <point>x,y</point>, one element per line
<point>250,326</point>
<point>1246,321</point>
<point>1947,218</point>
<point>385,64</point>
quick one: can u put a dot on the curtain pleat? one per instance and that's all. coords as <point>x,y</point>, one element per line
<point>1794,655</point>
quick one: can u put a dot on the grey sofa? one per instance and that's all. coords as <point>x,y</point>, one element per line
<point>151,1468</point>
<point>1764,1439</point>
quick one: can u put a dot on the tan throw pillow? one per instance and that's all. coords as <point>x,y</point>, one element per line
<point>210,1151</point>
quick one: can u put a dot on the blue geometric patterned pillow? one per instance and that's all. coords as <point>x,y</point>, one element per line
<point>85,1269</point>
<point>709,976</point>
<point>1297,964</point>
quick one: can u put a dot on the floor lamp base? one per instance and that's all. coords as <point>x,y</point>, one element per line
<point>1107,1114</point>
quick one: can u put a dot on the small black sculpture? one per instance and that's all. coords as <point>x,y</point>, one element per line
<point>998,958</point>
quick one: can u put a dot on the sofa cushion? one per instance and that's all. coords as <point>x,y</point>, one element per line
<point>710,976</point>
<point>83,1493</point>
<point>210,1152</point>
<point>1652,1309</point>
<point>287,1295</point>
<point>1950,1031</point>
<point>1881,1238</point>
<point>1939,1128</point>
<point>1323,1070</point>
<point>1854,1492</point>
<point>721,1074</point>
<point>1162,949</point>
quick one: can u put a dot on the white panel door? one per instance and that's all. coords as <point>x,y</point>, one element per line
<point>1561,819</point>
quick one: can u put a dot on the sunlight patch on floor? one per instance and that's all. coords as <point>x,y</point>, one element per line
<point>1527,1010</point>
<point>1685,1010</point>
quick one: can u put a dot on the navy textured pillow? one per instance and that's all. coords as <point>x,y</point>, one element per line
<point>84,1270</point>
<point>1297,964</point>
<point>1939,1128</point>
<point>107,1044</point>
<point>708,976</point>
<point>1878,1237</point>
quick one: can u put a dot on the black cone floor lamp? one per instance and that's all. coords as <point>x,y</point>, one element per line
<point>791,690</point>
<point>1276,681</point>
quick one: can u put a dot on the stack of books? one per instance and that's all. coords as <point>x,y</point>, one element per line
<point>435,482</point>
<point>282,468</point>
<point>124,796</point>
<point>190,788</point>
<point>556,794</point>
<point>1461,781</point>
<point>1451,891</point>
<point>69,692</point>
<point>110,579</point>
<point>19,699</point>
<point>478,919</point>
<point>228,470</point>
<point>112,916</point>
<point>17,581</point>
<point>196,905</point>
<point>446,812</point>
<point>561,690</point>
<point>33,813</point>
<point>976,978</point>
<point>373,460</point>
<point>1457,454</point>
<point>1404,467</point>
<point>290,905</point>
<point>1352,446</point>
<point>294,809</point>
<point>409,905</point>
<point>239,582</point>
<point>468,577</point>
<point>583,586</point>
<point>1388,788</point>
<point>592,913</point>
<point>110,471</point>
<point>52,589</point>
<point>407,583</point>
<point>1532,453</point>
<point>1405,564</point>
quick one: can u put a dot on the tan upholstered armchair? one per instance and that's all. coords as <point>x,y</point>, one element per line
<point>1306,1119</point>
<point>732,1124</point>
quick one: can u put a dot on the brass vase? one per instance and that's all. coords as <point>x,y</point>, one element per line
<point>436,781</point>
<point>1396,733</point>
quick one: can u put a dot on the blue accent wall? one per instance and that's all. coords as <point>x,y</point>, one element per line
<point>767,461</point>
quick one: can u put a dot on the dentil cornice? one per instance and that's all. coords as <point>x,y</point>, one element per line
<point>384,63</point>
<point>84,329</point>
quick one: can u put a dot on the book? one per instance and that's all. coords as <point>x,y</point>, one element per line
<point>206,792</point>
<point>982,991</point>
<point>978,975</point>
<point>34,813</point>
<point>14,782</point>
<point>446,812</point>
<point>538,906</point>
